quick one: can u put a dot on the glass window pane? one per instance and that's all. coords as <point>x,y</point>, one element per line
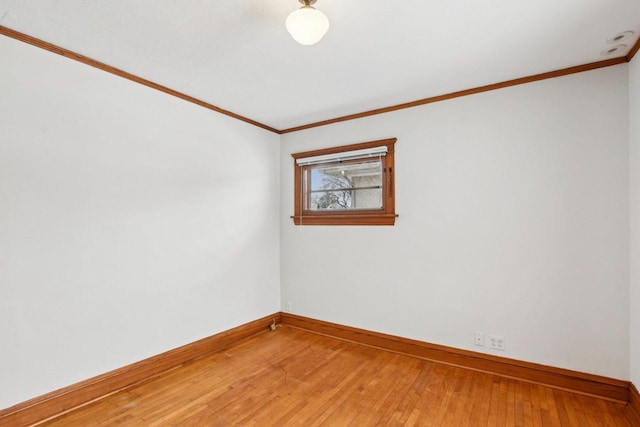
<point>345,186</point>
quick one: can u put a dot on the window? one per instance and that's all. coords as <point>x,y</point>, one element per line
<point>348,185</point>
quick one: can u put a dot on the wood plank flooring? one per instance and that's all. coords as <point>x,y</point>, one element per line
<point>292,377</point>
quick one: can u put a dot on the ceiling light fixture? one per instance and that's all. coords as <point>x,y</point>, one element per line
<point>307,25</point>
<point>614,50</point>
<point>620,41</point>
<point>621,37</point>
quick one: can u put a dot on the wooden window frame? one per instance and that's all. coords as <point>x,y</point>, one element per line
<point>385,216</point>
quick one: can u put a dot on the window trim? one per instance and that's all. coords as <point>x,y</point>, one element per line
<point>385,216</point>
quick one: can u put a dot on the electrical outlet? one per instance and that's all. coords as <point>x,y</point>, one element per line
<point>479,339</point>
<point>288,306</point>
<point>496,342</point>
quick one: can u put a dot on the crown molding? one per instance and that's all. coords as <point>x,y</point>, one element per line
<point>495,86</point>
<point>466,92</point>
<point>132,77</point>
<point>633,50</point>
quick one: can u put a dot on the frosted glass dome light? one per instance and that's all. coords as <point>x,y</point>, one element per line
<point>307,25</point>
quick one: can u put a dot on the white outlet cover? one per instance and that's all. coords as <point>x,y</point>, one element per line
<point>496,342</point>
<point>479,339</point>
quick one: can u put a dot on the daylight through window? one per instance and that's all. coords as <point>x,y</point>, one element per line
<point>349,185</point>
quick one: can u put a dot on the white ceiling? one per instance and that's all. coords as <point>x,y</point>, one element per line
<point>238,56</point>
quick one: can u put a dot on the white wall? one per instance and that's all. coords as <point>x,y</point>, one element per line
<point>131,222</point>
<point>122,232</point>
<point>634,139</point>
<point>514,221</point>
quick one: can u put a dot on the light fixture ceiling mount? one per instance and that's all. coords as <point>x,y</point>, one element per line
<point>307,25</point>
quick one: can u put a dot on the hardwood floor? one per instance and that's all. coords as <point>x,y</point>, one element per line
<point>295,377</point>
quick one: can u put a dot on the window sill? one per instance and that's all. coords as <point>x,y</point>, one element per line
<point>346,219</point>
